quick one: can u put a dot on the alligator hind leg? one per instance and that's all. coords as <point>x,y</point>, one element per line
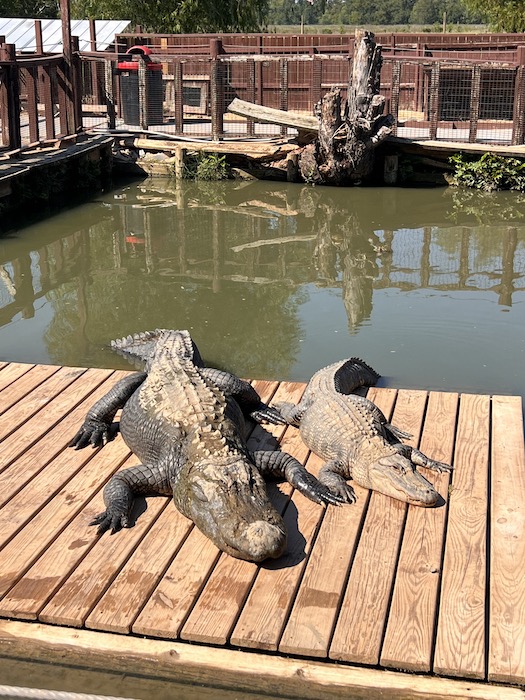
<point>97,429</point>
<point>421,460</point>
<point>282,465</point>
<point>330,475</point>
<point>120,491</point>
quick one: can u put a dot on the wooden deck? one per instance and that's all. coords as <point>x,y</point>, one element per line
<point>373,586</point>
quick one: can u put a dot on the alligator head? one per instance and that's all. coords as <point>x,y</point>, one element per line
<point>228,501</point>
<point>396,476</point>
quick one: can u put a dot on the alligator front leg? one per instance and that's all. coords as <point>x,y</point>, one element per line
<point>245,395</point>
<point>291,413</point>
<point>120,491</point>
<point>330,475</point>
<point>284,466</point>
<point>421,460</point>
<point>97,429</point>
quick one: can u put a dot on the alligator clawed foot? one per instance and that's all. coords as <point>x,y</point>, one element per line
<point>268,414</point>
<point>94,433</point>
<point>439,466</point>
<point>110,521</point>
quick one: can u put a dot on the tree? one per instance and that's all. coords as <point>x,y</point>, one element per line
<point>37,9</point>
<point>178,16</point>
<point>503,15</point>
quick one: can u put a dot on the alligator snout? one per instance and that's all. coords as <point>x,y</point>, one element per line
<point>264,541</point>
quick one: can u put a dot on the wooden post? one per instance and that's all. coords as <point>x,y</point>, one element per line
<point>433,107</point>
<point>76,85</point>
<point>217,90</point>
<point>178,96</point>
<point>180,154</point>
<point>474,103</point>
<point>39,43</point>
<point>143,93</point>
<point>394,93</point>
<point>283,85</point>
<point>12,134</point>
<point>109,93</point>
<point>32,102</point>
<point>518,117</point>
<point>250,80</point>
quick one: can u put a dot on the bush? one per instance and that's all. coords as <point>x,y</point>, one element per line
<point>489,173</point>
<point>206,166</point>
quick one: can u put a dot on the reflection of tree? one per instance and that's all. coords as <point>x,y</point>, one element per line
<point>347,246</point>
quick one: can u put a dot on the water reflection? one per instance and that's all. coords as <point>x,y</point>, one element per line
<point>254,269</point>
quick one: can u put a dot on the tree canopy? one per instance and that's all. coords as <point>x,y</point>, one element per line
<point>174,16</point>
<point>502,15</point>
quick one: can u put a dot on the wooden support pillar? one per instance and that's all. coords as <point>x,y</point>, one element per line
<point>217,90</point>
<point>177,95</point>
<point>180,155</point>
<point>518,118</point>
<point>474,103</point>
<point>394,93</point>
<point>11,134</point>
<point>76,85</point>
<point>143,93</point>
<point>109,72</point>
<point>250,80</point>
<point>283,85</point>
<point>39,43</point>
<point>433,107</point>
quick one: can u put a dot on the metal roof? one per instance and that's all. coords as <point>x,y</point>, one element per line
<point>21,32</point>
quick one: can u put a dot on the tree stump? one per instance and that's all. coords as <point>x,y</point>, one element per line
<point>351,129</point>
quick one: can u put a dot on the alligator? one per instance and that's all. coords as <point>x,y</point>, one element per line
<point>353,435</point>
<point>186,424</point>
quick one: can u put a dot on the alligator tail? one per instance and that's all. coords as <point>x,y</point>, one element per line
<point>142,346</point>
<point>352,374</point>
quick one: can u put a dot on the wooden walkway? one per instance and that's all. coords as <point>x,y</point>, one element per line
<point>378,584</point>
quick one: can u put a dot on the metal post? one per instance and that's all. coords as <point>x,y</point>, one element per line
<point>474,103</point>
<point>433,107</point>
<point>518,117</point>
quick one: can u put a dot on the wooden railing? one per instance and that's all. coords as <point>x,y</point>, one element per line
<point>40,99</point>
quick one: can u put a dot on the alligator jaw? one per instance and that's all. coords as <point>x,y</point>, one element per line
<point>397,477</point>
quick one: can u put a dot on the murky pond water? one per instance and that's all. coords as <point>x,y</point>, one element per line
<point>274,281</point>
<point>277,280</point>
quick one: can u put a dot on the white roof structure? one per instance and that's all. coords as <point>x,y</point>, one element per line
<point>21,32</point>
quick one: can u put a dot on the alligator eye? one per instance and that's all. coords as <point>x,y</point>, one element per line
<point>198,492</point>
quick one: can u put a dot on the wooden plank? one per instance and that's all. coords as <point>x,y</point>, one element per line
<point>409,635</point>
<point>170,603</point>
<point>270,115</point>
<point>80,593</point>
<point>43,516</point>
<point>11,372</point>
<point>23,469</point>
<point>506,651</point>
<point>219,604</point>
<point>311,621</point>
<point>244,672</point>
<point>359,630</point>
<point>30,594</point>
<point>42,385</point>
<point>263,616</point>
<point>460,640</point>
<point>119,606</point>
<point>30,431</point>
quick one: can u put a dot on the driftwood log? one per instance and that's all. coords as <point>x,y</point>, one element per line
<point>351,129</point>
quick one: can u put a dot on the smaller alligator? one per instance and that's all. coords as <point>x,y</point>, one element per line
<point>185,423</point>
<point>353,435</point>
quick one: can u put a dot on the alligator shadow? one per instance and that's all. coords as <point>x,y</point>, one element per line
<point>295,549</point>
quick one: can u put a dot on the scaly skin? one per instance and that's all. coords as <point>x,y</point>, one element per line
<point>353,435</point>
<point>189,433</point>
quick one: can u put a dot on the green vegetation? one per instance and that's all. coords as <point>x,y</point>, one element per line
<point>502,15</point>
<point>206,166</point>
<point>489,173</point>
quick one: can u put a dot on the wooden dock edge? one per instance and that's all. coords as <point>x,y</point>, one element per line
<point>228,668</point>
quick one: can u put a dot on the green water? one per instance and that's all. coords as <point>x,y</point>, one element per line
<point>277,280</point>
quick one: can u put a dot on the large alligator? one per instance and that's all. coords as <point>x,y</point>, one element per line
<point>353,435</point>
<point>185,423</point>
